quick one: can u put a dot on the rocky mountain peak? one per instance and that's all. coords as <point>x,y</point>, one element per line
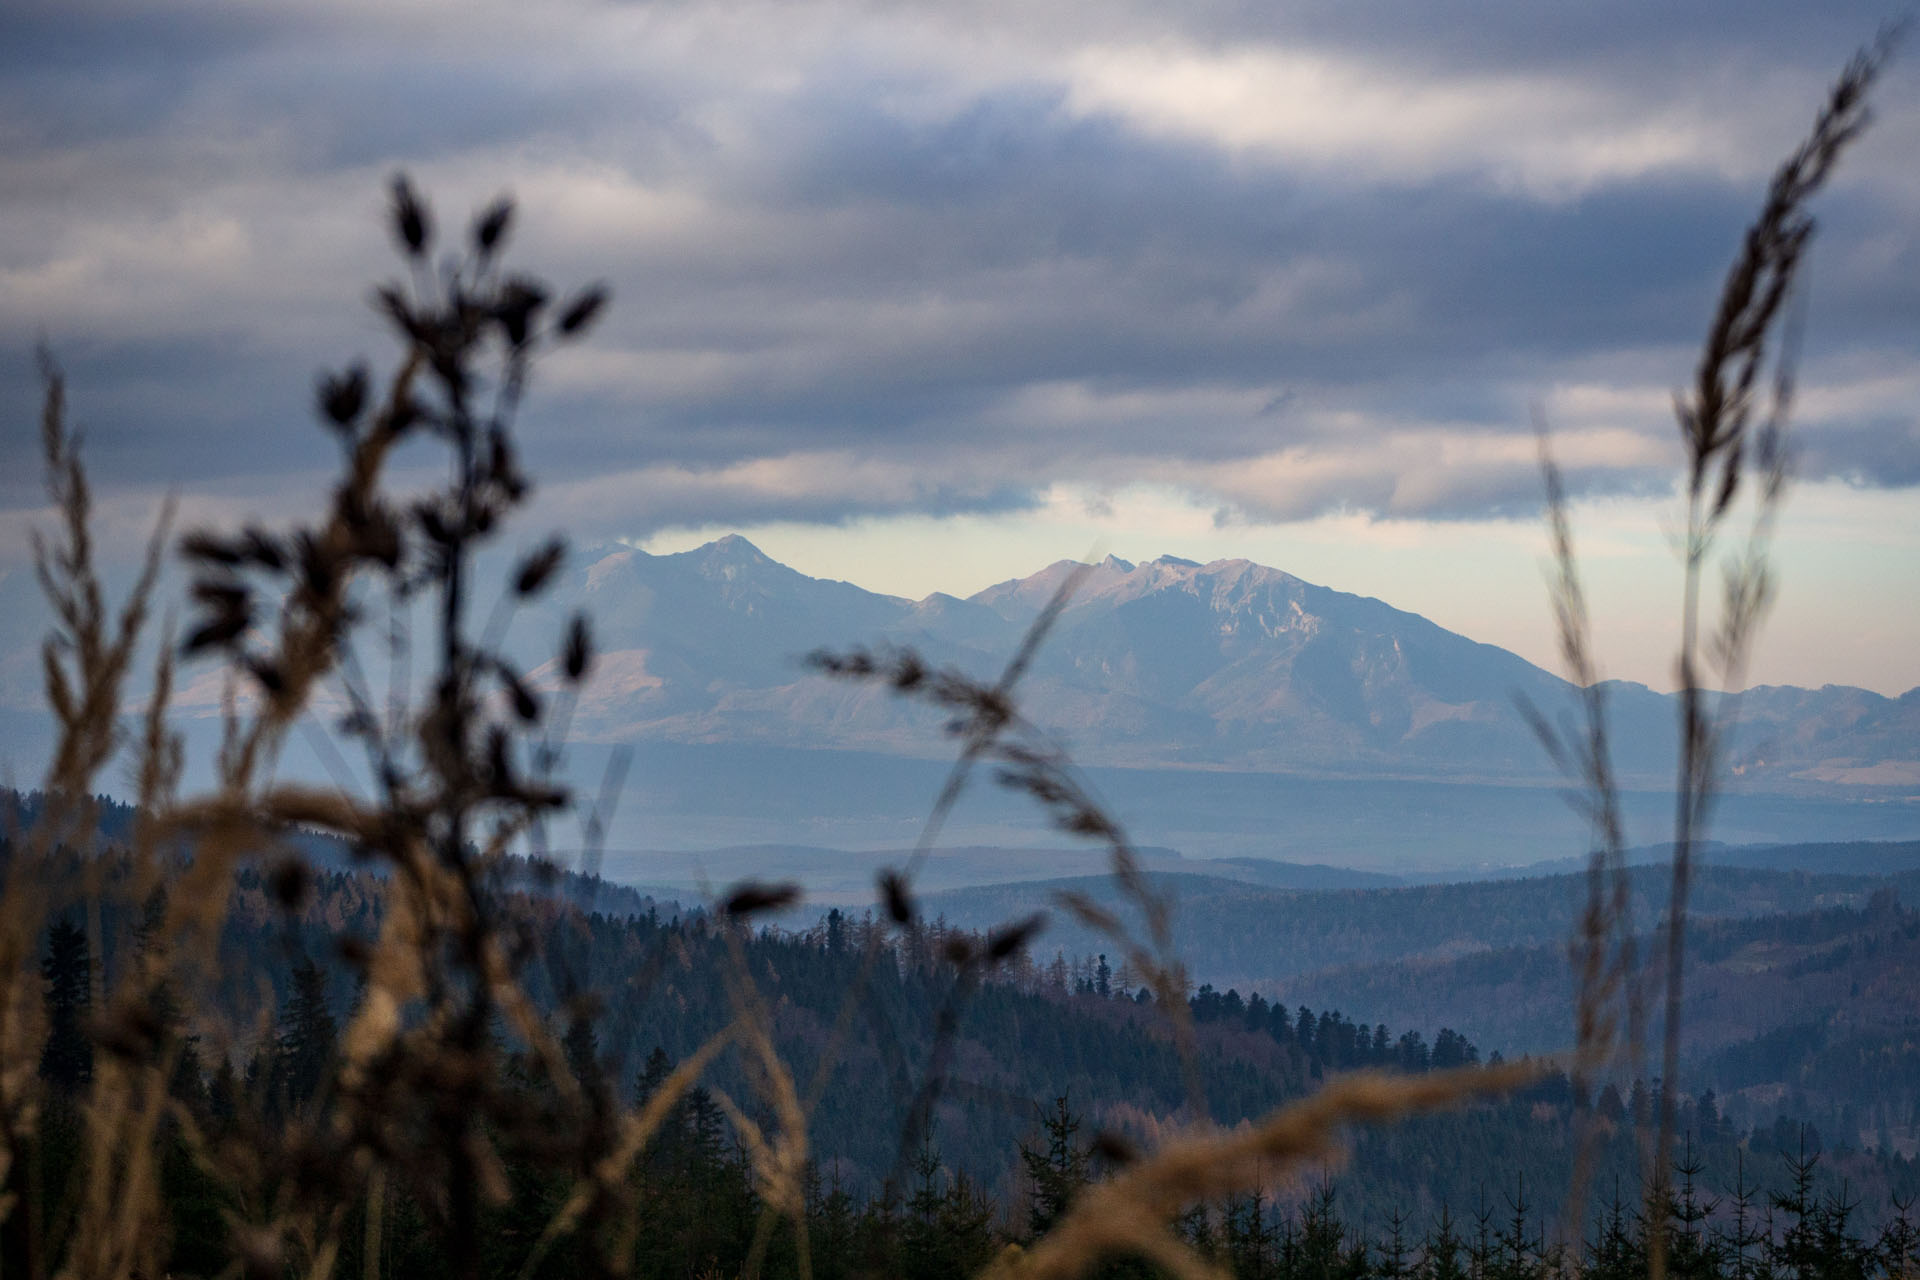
<point>735,553</point>
<point>1230,664</point>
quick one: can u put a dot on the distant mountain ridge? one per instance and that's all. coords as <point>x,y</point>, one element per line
<point>1167,663</point>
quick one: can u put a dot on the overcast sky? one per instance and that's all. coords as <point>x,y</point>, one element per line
<point>928,295</point>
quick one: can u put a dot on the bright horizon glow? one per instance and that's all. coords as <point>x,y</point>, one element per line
<point>1840,552</point>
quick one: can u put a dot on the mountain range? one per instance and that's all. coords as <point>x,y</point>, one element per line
<point>1219,710</point>
<point>1165,664</point>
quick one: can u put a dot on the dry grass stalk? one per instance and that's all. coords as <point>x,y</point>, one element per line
<point>1132,1212</point>
<point>1733,426</point>
<point>85,664</point>
<point>1730,429</point>
<point>1609,987</point>
<point>417,1088</point>
<point>86,660</point>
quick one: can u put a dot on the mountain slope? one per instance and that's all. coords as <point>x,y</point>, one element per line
<point>1840,950</point>
<point>1163,664</point>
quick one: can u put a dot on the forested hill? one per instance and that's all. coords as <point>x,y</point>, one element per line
<point>1035,1033</point>
<point>1233,934</point>
<point>1812,1011</point>
<point>665,982</point>
<point>1040,1058</point>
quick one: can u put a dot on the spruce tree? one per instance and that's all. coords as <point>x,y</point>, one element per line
<point>1741,1239</point>
<point>1250,1237</point>
<point>223,1093</point>
<point>188,1081</point>
<point>1057,1172</point>
<point>67,1060</point>
<point>830,1230</point>
<point>1515,1258</point>
<point>1440,1256</point>
<point>1617,1251</point>
<point>1842,1255</point>
<point>1480,1252</point>
<point>582,1046</point>
<point>920,1233</point>
<point>653,1074</point>
<point>1393,1263</point>
<point>1899,1244</point>
<point>1692,1251</point>
<point>966,1227</point>
<point>1321,1249</point>
<point>305,1040</point>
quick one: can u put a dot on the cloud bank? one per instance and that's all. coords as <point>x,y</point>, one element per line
<point>878,258</point>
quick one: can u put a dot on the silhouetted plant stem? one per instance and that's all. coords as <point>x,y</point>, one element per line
<point>1729,426</point>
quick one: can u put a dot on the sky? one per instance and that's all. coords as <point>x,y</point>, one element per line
<point>925,296</point>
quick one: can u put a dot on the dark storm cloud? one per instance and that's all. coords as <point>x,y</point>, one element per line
<point>970,249</point>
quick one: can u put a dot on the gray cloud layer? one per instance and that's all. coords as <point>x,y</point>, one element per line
<point>880,257</point>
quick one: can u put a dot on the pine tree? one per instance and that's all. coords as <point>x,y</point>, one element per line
<point>1740,1241</point>
<point>223,1094</point>
<point>1326,1040</point>
<point>1250,1237</point>
<point>1056,1173</point>
<point>1451,1049</point>
<point>1899,1244</point>
<point>1794,1252</point>
<point>1393,1263</point>
<point>966,1226</point>
<point>1515,1258</point>
<point>1440,1256</point>
<point>1842,1255</point>
<point>1692,1252</point>
<point>1195,1226</point>
<point>653,1073</point>
<point>946,1233</point>
<point>582,1047</point>
<point>1321,1249</point>
<point>305,1039</point>
<point>920,1232</point>
<point>1413,1054</point>
<point>1617,1252</point>
<point>1707,1108</point>
<point>67,1060</point>
<point>706,1125</point>
<point>188,1083</point>
<point>1480,1256</point>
